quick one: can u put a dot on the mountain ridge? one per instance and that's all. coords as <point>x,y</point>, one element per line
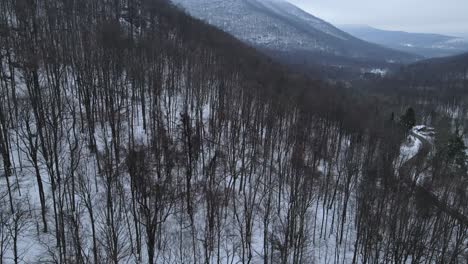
<point>282,26</point>
<point>428,45</point>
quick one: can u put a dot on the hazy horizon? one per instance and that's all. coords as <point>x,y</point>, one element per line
<point>419,16</point>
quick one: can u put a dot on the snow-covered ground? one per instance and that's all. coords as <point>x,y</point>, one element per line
<point>413,144</point>
<point>410,148</point>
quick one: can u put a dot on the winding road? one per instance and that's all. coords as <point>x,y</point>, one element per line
<point>414,187</point>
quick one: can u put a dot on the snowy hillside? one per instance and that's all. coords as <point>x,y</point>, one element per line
<point>279,25</point>
<point>140,135</point>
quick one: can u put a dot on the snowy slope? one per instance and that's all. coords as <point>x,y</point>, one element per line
<point>279,25</point>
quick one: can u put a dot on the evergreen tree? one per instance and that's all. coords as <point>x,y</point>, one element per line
<point>408,120</point>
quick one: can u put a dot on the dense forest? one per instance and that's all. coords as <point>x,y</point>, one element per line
<point>133,133</point>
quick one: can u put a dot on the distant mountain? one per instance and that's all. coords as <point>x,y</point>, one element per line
<point>427,45</point>
<point>278,26</point>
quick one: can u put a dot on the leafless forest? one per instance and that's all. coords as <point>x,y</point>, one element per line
<point>132,133</point>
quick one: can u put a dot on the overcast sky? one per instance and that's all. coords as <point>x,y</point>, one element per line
<point>433,16</point>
